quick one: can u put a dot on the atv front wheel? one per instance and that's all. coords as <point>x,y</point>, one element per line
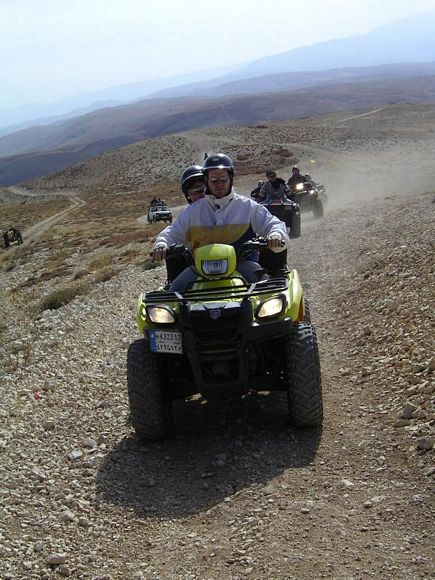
<point>304,386</point>
<point>151,414</point>
<point>318,209</point>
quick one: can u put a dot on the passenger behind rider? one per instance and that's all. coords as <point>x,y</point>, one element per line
<point>274,189</point>
<point>192,185</point>
<point>223,216</point>
<point>296,177</point>
<point>255,193</point>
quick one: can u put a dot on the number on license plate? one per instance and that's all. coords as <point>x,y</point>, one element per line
<point>166,341</point>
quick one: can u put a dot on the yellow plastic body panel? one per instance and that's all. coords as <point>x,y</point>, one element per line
<point>233,282</point>
<point>295,297</point>
<point>216,252</point>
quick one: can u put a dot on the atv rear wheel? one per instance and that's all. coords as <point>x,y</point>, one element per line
<point>151,414</point>
<point>302,372</point>
<point>318,209</point>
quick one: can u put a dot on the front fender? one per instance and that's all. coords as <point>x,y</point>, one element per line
<point>293,310</point>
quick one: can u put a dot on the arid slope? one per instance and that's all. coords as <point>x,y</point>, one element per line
<point>235,493</point>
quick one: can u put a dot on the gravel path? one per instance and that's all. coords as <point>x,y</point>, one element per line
<point>235,493</point>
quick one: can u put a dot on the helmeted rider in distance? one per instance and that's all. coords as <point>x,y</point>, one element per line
<point>223,216</point>
<point>296,177</point>
<point>274,189</point>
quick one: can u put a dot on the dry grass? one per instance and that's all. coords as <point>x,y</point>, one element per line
<point>9,256</point>
<point>101,262</point>
<point>79,273</point>
<point>120,239</point>
<point>105,274</point>
<point>148,264</point>
<point>61,296</point>
<point>25,212</point>
<point>43,276</point>
<point>90,247</point>
<point>58,259</point>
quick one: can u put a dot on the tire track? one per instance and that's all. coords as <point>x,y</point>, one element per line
<point>36,230</point>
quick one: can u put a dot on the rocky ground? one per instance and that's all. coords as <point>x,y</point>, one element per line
<point>235,493</point>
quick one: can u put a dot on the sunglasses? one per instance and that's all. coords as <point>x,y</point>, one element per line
<point>218,179</point>
<point>196,190</point>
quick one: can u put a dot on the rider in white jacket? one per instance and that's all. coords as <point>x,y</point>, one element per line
<point>223,216</point>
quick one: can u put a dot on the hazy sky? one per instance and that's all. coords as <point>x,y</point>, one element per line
<point>52,49</point>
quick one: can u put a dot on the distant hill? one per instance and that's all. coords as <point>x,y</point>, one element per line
<point>405,41</point>
<point>31,114</point>
<point>299,80</point>
<point>68,143</point>
<point>410,39</point>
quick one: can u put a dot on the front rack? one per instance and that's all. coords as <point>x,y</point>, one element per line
<point>217,294</point>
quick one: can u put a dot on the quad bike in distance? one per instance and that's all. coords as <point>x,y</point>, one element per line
<point>289,213</point>
<point>12,236</point>
<point>308,198</point>
<point>221,336</point>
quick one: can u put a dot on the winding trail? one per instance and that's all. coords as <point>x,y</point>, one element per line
<point>36,230</point>
<point>361,115</point>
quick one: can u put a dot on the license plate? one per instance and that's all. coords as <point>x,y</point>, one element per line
<point>166,341</point>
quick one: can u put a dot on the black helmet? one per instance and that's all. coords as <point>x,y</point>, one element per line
<point>219,161</point>
<point>295,168</point>
<point>191,172</point>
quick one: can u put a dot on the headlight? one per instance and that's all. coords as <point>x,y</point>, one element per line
<point>160,314</point>
<point>311,191</point>
<point>214,267</point>
<point>299,186</point>
<point>270,308</point>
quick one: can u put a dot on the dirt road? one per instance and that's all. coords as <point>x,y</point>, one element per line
<point>37,229</point>
<point>235,493</point>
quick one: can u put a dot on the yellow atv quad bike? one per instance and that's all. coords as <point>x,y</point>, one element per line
<point>223,336</point>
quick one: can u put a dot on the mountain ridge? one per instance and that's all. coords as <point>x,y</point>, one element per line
<point>190,113</point>
<point>410,39</point>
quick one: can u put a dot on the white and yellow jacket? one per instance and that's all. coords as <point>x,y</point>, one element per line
<point>233,219</point>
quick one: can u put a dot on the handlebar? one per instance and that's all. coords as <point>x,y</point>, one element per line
<point>258,243</point>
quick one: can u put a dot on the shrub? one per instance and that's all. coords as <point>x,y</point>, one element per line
<point>106,274</point>
<point>101,262</point>
<point>61,296</point>
<point>148,264</point>
<point>79,273</point>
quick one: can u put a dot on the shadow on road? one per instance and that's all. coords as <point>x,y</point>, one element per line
<point>218,449</point>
